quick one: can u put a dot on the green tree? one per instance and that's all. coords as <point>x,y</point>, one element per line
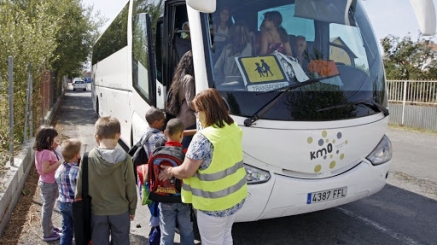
<point>154,8</point>
<point>52,35</point>
<point>405,59</point>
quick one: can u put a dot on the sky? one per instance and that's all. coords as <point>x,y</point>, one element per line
<point>394,17</point>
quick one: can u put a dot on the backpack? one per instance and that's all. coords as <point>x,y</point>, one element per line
<point>139,154</point>
<point>168,191</point>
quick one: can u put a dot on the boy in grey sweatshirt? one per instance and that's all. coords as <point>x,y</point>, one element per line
<point>112,186</point>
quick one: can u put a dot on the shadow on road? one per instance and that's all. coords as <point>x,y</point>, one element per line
<point>392,216</point>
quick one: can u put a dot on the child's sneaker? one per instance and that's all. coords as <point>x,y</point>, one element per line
<point>53,237</point>
<point>57,230</point>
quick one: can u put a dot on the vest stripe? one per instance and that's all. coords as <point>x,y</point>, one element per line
<point>221,174</point>
<point>215,194</point>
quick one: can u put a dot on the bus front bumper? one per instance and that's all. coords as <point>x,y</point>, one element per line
<point>284,196</point>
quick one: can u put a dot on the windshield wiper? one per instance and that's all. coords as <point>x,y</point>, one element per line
<point>298,84</point>
<point>266,107</point>
<point>370,103</point>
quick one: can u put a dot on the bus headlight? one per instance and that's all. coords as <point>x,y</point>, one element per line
<point>256,175</point>
<point>382,153</point>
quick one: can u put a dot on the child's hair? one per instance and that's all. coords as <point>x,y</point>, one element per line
<point>174,126</point>
<point>276,18</point>
<point>239,37</point>
<point>44,138</point>
<point>107,127</point>
<point>153,115</point>
<point>70,148</point>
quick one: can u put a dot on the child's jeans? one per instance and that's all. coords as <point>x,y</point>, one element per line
<point>49,194</point>
<point>170,213</point>
<point>66,209</point>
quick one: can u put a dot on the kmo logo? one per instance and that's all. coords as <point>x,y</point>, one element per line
<point>328,149</point>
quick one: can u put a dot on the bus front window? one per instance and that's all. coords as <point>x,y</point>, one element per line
<point>276,46</point>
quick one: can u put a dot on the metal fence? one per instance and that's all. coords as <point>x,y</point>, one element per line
<point>413,103</point>
<point>412,92</point>
<point>24,105</point>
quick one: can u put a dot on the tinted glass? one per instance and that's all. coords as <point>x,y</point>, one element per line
<point>113,39</point>
<point>257,49</point>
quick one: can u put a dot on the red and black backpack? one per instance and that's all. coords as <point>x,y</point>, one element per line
<point>168,191</point>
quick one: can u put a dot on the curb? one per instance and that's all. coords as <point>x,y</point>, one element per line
<point>14,180</point>
<point>12,183</point>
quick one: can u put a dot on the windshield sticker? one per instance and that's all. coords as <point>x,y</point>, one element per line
<point>261,69</point>
<point>328,150</point>
<point>266,87</point>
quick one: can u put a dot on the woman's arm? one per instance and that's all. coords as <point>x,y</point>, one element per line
<point>247,51</point>
<point>189,89</point>
<point>287,49</point>
<point>218,67</point>
<point>189,132</point>
<point>186,170</point>
<point>264,44</point>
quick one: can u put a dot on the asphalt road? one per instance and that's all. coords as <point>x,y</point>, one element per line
<point>404,212</point>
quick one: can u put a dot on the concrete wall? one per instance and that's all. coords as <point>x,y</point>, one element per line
<point>12,182</point>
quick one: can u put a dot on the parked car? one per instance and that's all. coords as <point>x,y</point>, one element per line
<point>79,84</point>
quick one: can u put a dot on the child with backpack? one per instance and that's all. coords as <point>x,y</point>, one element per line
<point>140,154</point>
<point>172,211</point>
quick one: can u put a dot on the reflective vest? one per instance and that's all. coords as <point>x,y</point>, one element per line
<point>223,184</point>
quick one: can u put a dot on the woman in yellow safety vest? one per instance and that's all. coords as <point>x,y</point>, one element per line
<point>213,172</point>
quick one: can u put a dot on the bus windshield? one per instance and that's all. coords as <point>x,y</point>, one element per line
<point>260,48</point>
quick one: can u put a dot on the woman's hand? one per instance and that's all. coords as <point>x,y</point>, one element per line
<point>165,174</point>
<point>186,170</point>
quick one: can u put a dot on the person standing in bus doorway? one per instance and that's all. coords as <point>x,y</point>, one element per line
<point>214,150</point>
<point>181,94</point>
<point>112,186</point>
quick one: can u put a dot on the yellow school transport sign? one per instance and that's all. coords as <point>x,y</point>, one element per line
<point>263,73</point>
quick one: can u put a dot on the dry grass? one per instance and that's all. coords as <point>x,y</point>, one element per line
<point>413,129</point>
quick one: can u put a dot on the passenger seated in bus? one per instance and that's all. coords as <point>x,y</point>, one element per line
<point>257,36</point>
<point>274,38</point>
<point>222,25</point>
<point>219,30</point>
<point>239,45</point>
<point>182,93</point>
<point>300,51</point>
<point>185,30</point>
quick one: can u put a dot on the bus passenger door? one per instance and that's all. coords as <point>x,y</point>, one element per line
<point>143,62</point>
<point>175,38</point>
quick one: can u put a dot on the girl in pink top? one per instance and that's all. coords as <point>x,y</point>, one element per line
<point>46,162</point>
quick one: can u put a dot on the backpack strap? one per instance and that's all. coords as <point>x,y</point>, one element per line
<point>144,141</point>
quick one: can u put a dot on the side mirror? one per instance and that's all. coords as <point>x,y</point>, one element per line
<point>425,14</point>
<point>204,6</point>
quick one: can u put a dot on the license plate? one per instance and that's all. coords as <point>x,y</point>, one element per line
<point>326,195</point>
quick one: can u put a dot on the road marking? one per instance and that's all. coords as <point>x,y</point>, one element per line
<point>398,236</point>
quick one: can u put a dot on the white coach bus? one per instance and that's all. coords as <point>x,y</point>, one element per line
<point>313,129</point>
